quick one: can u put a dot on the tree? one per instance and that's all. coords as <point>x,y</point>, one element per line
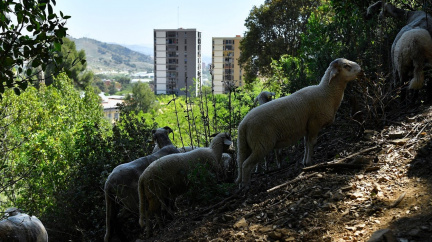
<point>141,99</point>
<point>31,35</point>
<point>38,143</point>
<point>74,64</point>
<point>274,29</point>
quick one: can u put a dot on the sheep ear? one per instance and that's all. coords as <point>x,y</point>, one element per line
<point>227,142</point>
<point>169,129</point>
<point>334,71</point>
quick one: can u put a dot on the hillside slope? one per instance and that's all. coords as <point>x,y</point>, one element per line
<point>102,57</point>
<point>365,181</point>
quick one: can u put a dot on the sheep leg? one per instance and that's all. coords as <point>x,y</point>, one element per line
<point>109,212</point>
<point>417,81</point>
<point>249,164</point>
<point>153,209</point>
<point>112,226</point>
<point>310,141</point>
<point>243,153</point>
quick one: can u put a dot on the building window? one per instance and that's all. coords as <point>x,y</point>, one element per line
<point>116,116</point>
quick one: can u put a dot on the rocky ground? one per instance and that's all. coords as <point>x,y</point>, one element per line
<point>366,179</point>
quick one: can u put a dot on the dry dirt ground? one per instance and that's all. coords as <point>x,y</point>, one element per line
<point>365,180</point>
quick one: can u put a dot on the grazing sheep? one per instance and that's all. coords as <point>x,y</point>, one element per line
<point>414,20</point>
<point>121,186</point>
<point>227,159</point>
<point>283,121</point>
<point>167,177</point>
<point>412,51</point>
<point>21,227</point>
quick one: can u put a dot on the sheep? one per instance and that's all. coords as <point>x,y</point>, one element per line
<point>19,227</point>
<point>283,121</point>
<point>412,51</point>
<point>167,177</point>
<point>414,20</point>
<point>227,159</point>
<point>122,184</point>
<point>263,97</point>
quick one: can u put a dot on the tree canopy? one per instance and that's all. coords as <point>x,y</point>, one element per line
<point>74,64</point>
<point>31,35</point>
<point>274,29</point>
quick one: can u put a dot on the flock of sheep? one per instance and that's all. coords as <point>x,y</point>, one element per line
<point>149,185</point>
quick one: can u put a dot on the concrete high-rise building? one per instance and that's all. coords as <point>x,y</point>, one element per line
<point>177,60</point>
<point>226,69</point>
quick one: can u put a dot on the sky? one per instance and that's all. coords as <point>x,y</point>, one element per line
<point>132,22</point>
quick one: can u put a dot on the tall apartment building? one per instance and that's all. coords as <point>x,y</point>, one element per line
<point>226,69</point>
<point>177,60</point>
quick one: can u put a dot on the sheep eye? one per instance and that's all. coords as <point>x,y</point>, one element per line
<point>348,67</point>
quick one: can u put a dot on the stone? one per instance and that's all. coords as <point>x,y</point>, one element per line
<point>382,235</point>
<point>242,223</point>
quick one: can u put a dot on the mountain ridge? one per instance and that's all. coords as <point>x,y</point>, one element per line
<point>108,57</point>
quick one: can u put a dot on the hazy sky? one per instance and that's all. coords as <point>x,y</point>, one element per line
<point>133,21</point>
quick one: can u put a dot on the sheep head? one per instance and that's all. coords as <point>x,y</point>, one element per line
<point>388,9</point>
<point>226,139</point>
<point>159,134</point>
<point>343,68</point>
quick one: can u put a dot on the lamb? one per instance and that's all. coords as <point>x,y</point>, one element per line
<point>283,121</point>
<point>121,186</point>
<point>412,51</point>
<point>19,226</point>
<point>414,20</point>
<point>167,177</point>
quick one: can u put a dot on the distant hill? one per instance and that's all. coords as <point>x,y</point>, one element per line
<point>141,49</point>
<point>102,57</point>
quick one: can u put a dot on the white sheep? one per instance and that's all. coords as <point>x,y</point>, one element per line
<point>412,51</point>
<point>414,20</point>
<point>167,177</point>
<point>283,121</point>
<point>227,159</point>
<point>19,226</point>
<point>121,186</point>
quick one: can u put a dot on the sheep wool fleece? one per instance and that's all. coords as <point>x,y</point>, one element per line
<point>284,121</point>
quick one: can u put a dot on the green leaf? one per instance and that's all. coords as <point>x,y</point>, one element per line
<point>23,85</point>
<point>9,61</point>
<point>57,46</point>
<point>17,91</point>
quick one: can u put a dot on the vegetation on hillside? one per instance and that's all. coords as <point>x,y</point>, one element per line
<point>104,57</point>
<point>58,149</point>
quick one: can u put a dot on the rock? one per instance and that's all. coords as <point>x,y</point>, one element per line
<point>242,223</point>
<point>275,235</point>
<point>383,235</point>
